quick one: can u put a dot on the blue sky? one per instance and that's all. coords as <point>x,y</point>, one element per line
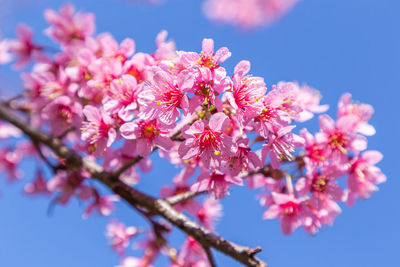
<point>335,46</point>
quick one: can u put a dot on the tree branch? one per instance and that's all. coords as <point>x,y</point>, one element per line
<point>134,197</point>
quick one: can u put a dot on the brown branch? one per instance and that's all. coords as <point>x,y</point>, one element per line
<point>134,197</point>
<point>182,197</point>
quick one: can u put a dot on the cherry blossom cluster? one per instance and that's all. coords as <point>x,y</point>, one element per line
<point>116,106</point>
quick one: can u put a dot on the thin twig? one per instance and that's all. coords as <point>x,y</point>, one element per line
<point>210,256</point>
<point>182,197</point>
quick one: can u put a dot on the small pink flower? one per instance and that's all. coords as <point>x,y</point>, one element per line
<point>208,141</point>
<point>23,48</point>
<point>69,184</point>
<point>9,161</point>
<point>340,137</point>
<point>103,205</point>
<point>206,89</point>
<point>244,160</point>
<point>315,152</point>
<point>147,134</point>
<point>247,93</point>
<point>308,99</point>
<point>364,176</point>
<point>98,130</point>
<point>207,58</point>
<point>110,48</point>
<point>122,97</point>
<point>289,209</point>
<point>67,26</point>
<point>38,186</point>
<point>62,113</point>
<point>215,183</point>
<point>210,213</point>
<point>191,254</point>
<point>165,96</point>
<point>362,112</point>
<point>281,145</point>
<point>119,236</point>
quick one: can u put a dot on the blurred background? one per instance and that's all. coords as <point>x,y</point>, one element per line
<point>336,46</point>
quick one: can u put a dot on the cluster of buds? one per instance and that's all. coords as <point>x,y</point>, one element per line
<point>113,105</point>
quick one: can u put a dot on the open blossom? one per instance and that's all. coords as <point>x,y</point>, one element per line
<point>206,89</point>
<point>339,136</point>
<point>316,154</point>
<point>362,112</point>
<point>289,209</point>
<point>215,183</point>
<point>38,186</point>
<point>208,141</point>
<point>66,26</point>
<point>119,235</point>
<point>281,145</point>
<point>23,48</point>
<point>309,101</point>
<point>147,133</point>
<point>9,160</point>
<point>191,254</point>
<point>247,13</point>
<point>244,160</point>
<point>103,205</point>
<point>364,176</point>
<point>122,97</point>
<point>207,58</point>
<point>210,213</point>
<point>165,96</point>
<point>110,48</point>
<point>62,113</point>
<point>69,185</point>
<point>247,93</point>
<point>98,130</point>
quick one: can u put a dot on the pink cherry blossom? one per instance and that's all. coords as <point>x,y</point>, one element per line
<point>364,176</point>
<point>66,26</point>
<point>119,235</point>
<point>244,160</point>
<point>207,58</point>
<point>281,145</point>
<point>208,141</point>
<point>215,183</point>
<point>24,48</point>
<point>340,137</point>
<point>147,134</point>
<point>165,96</point>
<point>247,93</point>
<point>363,112</point>
<point>98,130</point>
<point>103,205</point>
<point>68,185</point>
<point>62,113</point>
<point>210,213</point>
<point>289,209</point>
<point>38,186</point>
